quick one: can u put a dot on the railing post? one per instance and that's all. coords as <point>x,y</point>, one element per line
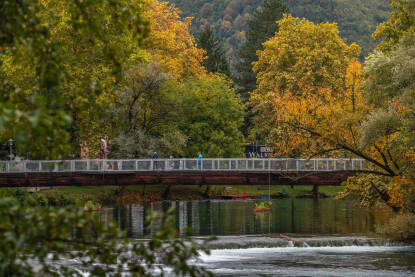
<point>88,165</point>
<point>352,164</point>
<point>72,166</point>
<point>335,165</point>
<point>135,165</point>
<point>345,164</point>
<point>297,163</point>
<point>7,167</point>
<point>152,165</point>
<point>237,164</point>
<point>328,164</point>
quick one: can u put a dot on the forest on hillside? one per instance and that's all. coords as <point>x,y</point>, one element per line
<point>357,19</point>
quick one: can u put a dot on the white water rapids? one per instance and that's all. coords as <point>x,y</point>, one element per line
<point>313,261</point>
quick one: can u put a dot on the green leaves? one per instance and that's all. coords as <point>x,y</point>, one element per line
<point>60,60</point>
<point>213,115</point>
<point>35,241</point>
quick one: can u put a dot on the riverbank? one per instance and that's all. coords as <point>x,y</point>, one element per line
<point>154,193</point>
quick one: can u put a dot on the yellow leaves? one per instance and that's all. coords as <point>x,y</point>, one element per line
<point>303,55</point>
<point>171,44</point>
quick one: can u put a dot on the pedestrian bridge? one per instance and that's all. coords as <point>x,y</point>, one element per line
<point>179,171</point>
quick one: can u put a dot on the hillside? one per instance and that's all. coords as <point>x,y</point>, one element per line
<point>357,19</point>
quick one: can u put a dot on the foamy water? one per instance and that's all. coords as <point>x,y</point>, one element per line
<point>312,261</point>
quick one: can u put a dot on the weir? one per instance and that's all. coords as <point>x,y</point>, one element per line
<point>237,171</point>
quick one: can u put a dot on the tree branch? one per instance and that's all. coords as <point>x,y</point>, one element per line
<point>345,147</point>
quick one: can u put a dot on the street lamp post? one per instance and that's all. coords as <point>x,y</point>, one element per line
<point>11,148</point>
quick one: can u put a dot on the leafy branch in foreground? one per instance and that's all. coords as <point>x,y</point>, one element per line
<point>42,241</point>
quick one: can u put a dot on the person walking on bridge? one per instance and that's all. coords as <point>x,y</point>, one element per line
<point>199,160</point>
<point>155,157</point>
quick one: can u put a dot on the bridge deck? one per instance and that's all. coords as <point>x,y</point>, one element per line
<point>178,171</point>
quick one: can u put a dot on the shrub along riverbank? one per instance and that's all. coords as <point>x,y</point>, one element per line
<point>112,195</point>
<point>152,193</point>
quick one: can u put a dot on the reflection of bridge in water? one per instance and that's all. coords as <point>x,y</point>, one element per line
<point>179,171</point>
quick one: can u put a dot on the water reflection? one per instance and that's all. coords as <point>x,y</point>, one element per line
<point>217,217</point>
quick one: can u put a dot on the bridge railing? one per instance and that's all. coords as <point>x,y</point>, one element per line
<point>280,165</point>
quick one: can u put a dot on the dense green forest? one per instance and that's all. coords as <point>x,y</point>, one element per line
<point>357,19</point>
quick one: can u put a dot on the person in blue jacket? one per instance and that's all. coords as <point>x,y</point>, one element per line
<point>199,160</point>
<point>155,157</point>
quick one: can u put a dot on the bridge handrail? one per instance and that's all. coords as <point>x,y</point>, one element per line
<point>185,164</point>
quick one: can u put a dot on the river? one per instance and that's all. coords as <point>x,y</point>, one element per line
<point>337,237</point>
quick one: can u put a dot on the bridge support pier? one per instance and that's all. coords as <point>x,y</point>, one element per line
<point>166,192</point>
<point>315,191</point>
<point>207,191</point>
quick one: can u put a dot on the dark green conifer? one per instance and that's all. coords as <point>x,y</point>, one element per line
<point>261,27</point>
<point>216,60</point>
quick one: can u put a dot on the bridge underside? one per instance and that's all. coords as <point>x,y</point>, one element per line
<point>172,178</point>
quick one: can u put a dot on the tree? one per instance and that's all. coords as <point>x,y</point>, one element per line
<point>388,127</point>
<point>389,88</point>
<point>216,60</point>
<point>146,109</point>
<point>302,67</point>
<point>402,22</point>
<point>60,59</point>
<point>261,27</point>
<point>213,115</point>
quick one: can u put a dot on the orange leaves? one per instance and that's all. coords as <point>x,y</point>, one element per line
<point>400,108</point>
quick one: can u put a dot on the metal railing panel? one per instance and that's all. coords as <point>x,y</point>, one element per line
<point>190,164</point>
<point>349,164</point>
<point>233,164</point>
<point>322,165</point>
<point>3,167</point>
<point>81,165</point>
<point>143,165</point>
<point>208,164</point>
<point>95,165</point>
<point>32,166</point>
<point>292,165</point>
<point>278,164</point>
<point>250,164</point>
<point>224,164</point>
<point>331,165</point>
<point>47,166</point>
<point>258,164</point>
<point>241,164</point>
<point>306,165</point>
<point>16,167</point>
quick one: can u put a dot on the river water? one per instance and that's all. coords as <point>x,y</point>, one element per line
<point>335,238</point>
